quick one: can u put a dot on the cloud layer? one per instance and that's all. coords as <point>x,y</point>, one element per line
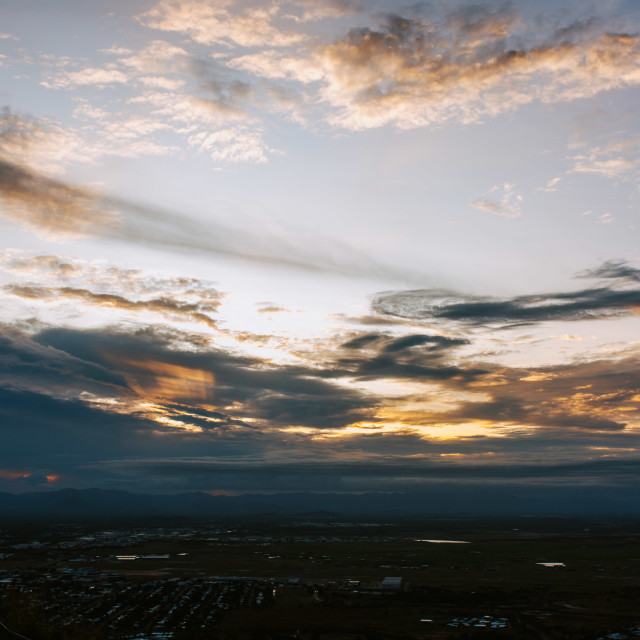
<point>200,412</point>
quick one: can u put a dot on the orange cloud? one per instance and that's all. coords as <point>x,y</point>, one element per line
<point>415,74</point>
<point>168,381</point>
<point>50,206</point>
<point>208,22</point>
<point>8,474</point>
<point>164,305</point>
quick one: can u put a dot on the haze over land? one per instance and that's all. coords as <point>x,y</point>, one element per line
<point>322,247</point>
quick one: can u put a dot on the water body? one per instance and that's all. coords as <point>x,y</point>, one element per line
<point>444,541</point>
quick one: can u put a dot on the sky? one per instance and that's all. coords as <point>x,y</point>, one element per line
<point>325,246</point>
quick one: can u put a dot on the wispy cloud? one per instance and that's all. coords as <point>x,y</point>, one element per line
<point>505,202</point>
<point>51,206</point>
<point>58,209</point>
<point>198,312</point>
<point>618,159</point>
<point>614,270</point>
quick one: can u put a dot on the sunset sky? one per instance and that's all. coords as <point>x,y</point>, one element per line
<point>338,246</point>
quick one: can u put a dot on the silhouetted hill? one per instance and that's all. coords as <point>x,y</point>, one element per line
<point>446,500</point>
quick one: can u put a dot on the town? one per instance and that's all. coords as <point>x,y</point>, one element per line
<point>320,579</point>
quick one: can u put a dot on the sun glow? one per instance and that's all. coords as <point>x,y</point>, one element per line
<point>432,432</point>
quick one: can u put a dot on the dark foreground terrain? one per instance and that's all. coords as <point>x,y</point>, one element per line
<point>320,578</point>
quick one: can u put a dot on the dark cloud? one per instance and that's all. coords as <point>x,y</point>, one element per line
<point>433,304</point>
<point>602,395</point>
<point>517,411</point>
<point>45,435</point>
<point>111,408</point>
<point>388,366</point>
<point>330,410</point>
<point>39,429</point>
<point>248,387</point>
<point>391,345</point>
<point>363,341</point>
<point>206,419</point>
<point>432,342</point>
<point>28,364</point>
<point>614,270</point>
<point>411,357</point>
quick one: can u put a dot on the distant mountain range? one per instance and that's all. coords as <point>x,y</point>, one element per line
<point>448,500</point>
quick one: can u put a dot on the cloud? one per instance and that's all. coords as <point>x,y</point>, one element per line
<point>70,287</point>
<point>244,388</point>
<point>385,366</point>
<point>167,89</point>
<point>39,144</point>
<point>106,277</point>
<point>192,311</point>
<point>158,57</point>
<point>617,159</point>
<point>614,270</point>
<point>600,395</point>
<point>233,144</point>
<point>508,204</point>
<point>410,357</point>
<point>363,341</point>
<point>40,430</point>
<point>87,76</point>
<point>274,64</point>
<point>28,365</point>
<point>220,22</point>
<point>409,72</point>
<point>412,73</point>
<point>551,186</point>
<point>390,344</point>
<point>433,343</point>
<point>51,206</point>
<point>311,10</point>
<point>439,305</point>
<point>515,411</point>
<point>269,307</point>
<point>173,402</point>
<point>57,209</point>
<point>144,375</point>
